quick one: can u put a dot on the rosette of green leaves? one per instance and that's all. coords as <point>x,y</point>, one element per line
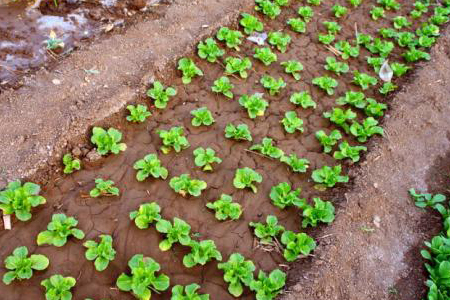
<point>355,3</point>
<point>389,4</point>
<point>107,141</point>
<point>346,49</point>
<point>269,231</point>
<point>173,139</point>
<point>427,200</point>
<point>58,287</point>
<point>21,266</point>
<point>296,244</point>
<point>329,176</point>
<point>223,86</point>
<point>138,113</point>
<point>383,48</point>
<point>374,108</point>
<point>376,63</point>
<point>189,292</point>
<point>322,211</point>
<point>335,66</point>
<point>265,55</point>
<point>205,157</point>
<point>255,104</point>
<point>238,272</point>
<point>355,99</point>
<point>377,12</point>
<point>178,232</point>
<point>283,196</point>
<point>364,80</point>
<point>160,94</point>
<point>299,165</point>
<point>251,23</point>
<point>291,122</point>
<point>365,130</point>
<point>245,178</point>
<point>268,287</point>
<point>232,38</point>
<point>279,39</point>
<point>339,10</point>
<point>58,230</point>
<point>267,7</point>
<point>238,65</point>
<point>267,148</point>
<point>326,83</point>
<point>326,38</point>
<point>202,116</point>
<point>239,132</point>
<point>101,253</point>
<point>387,87</point>
<point>185,185</point>
<point>201,253</point>
<point>104,188</point>
<point>273,85</point>
<point>150,165</point>
<point>347,151</point>
<point>147,213</point>
<point>209,50</point>
<point>70,163</point>
<point>340,117</point>
<point>328,141</point>
<point>303,99</point>
<point>189,70</point>
<point>293,67</point>
<point>297,25</point>
<point>413,55</point>
<point>225,208</point>
<point>306,12</point>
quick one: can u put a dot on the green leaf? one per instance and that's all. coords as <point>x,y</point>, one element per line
<point>39,262</point>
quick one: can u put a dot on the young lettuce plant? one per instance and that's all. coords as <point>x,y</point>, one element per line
<point>326,38</point>
<point>70,163</point>
<point>282,196</point>
<point>347,151</point>
<point>274,86</point>
<point>365,130</point>
<point>326,83</point>
<point>299,165</point>
<point>265,55</point>
<point>280,40</point>
<point>147,214</point>
<point>389,4</point>
<point>387,33</point>
<point>160,94</point>
<point>340,117</point>
<point>179,232</point>
<point>291,122</point>
<point>201,253</point>
<point>322,211</point>
<point>419,9</point>
<point>223,86</point>
<point>383,48</point>
<point>314,2</point>
<point>107,141</point>
<point>238,65</point>
<point>173,139</point>
<point>297,25</point>
<point>21,266</point>
<point>332,27</point>
<point>306,12</point>
<point>377,12</point>
<point>427,200</point>
<point>267,148</point>
<point>268,8</point>
<point>293,67</point>
<point>303,99</point>
<point>150,165</point>
<point>413,55</point>
<point>18,199</point>
<point>202,116</point>
<point>268,287</point>
<point>400,22</point>
<point>406,39</point>
<point>387,87</point>
<point>296,244</point>
<point>336,67</point>
<point>328,141</point>
<point>355,99</point>
<point>347,50</point>
<point>239,132</point>
<point>225,208</point>
<point>237,272</point>
<point>143,279</point>
<point>138,114</point>
<point>375,62</point>
<point>188,292</point>
<point>245,178</point>
<point>251,23</point>
<point>232,38</point>
<point>205,157</point>
<point>104,188</point>
<point>364,80</point>
<point>101,253</point>
<point>355,3</point>
<point>267,232</point>
<point>58,287</point>
<point>184,185</point>
<point>58,230</point>
<point>329,176</point>
<point>374,108</point>
<point>255,105</point>
<point>209,50</point>
<point>339,10</point>
<point>189,70</point>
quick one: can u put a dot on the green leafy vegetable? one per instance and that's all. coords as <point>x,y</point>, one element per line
<point>387,88</point>
<point>209,50</point>
<point>267,7</point>
<point>189,70</point>
<point>389,4</point>
<point>104,188</point>
<point>225,208</point>
<point>329,176</point>
<point>364,80</point>
<point>322,211</point>
<point>328,141</point>
<point>347,151</point>
<point>251,23</point>
<point>282,196</point>
<point>268,287</point>
<point>189,292</point>
<point>185,185</point>
<point>202,116</point>
<point>70,164</point>
<point>173,139</point>
<point>267,148</point>
<point>346,49</point>
<point>265,55</point>
<point>356,99</point>
<point>377,12</point>
<point>427,200</point>
<point>102,253</point>
<point>238,65</point>
<point>336,66</point>
<point>378,46</point>
<point>367,129</point>
<point>280,40</point>
<point>306,13</point>
<point>355,3</point>
<point>237,272</point>
<point>339,10</point>
<point>58,230</point>
<point>332,27</point>
<point>326,83</point>
<point>239,132</point>
<point>297,244</point>
<point>146,214</point>
<point>245,177</point>
<point>150,165</point>
<point>107,141</point>
<point>269,231</point>
<point>21,266</point>
<point>413,55</point>
<point>340,117</point>
<point>201,253</point>
<point>303,99</point>
<point>138,113</point>
<point>293,67</point>
<point>326,38</point>
<point>291,122</point>
<point>255,105</point>
<point>223,86</point>
<point>273,85</point>
<point>374,108</point>
<point>232,38</point>
<point>376,63</point>
<point>297,164</point>
<point>297,25</point>
<point>314,2</point>
<point>401,22</point>
<point>179,232</point>
<point>205,157</point>
<point>160,94</point>
<point>58,287</point>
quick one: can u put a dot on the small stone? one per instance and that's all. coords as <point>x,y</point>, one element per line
<point>375,185</point>
<point>56,81</point>
<point>76,151</point>
<point>377,221</point>
<point>93,156</point>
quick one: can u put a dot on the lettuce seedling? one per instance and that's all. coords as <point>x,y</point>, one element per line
<point>347,50</point>
<point>413,55</point>
<point>406,39</point>
<point>267,148</point>
<point>401,22</point>
<point>328,141</point>
<point>375,62</point>
<point>189,70</point>
<point>297,25</point>
<point>223,86</point>
<point>269,231</point>
<point>377,12</point>
<point>383,48</point>
<point>189,292</point>
<point>364,80</point>
<point>225,208</point>
<point>296,244</point>
<point>70,164</point>
<point>332,27</point>
<point>58,287</point>
<point>355,99</point>
<point>255,105</point>
<point>303,99</point>
<point>387,88</point>
<point>237,272</point>
<point>102,253</point>
<point>347,151</point>
<point>427,200</point>
<point>336,67</point>
<point>326,38</point>
<point>387,33</point>
<point>238,65</point>
<point>339,10</point>
<point>329,176</point>
<point>374,108</point>
<point>179,232</point>
<point>322,211</point>
<point>184,185</point>
<point>282,2</point>
<point>104,188</point>
<point>326,83</point>
<point>268,287</point>
<point>427,30</point>
<point>150,165</point>
<point>147,213</point>
<point>209,50</point>
<point>18,199</point>
<point>299,165</point>
<point>389,4</point>
<point>21,266</point>
<point>399,69</point>
<point>265,55</point>
<point>267,7</point>
<point>314,2</point>
<point>107,141</point>
<point>138,113</point>
<point>438,19</point>
<point>367,129</point>
<point>355,3</point>
<point>58,230</point>
<point>201,253</point>
<point>280,40</point>
<point>232,38</point>
<point>143,279</point>
<point>274,86</point>
<point>419,8</point>
<point>160,94</point>
<point>202,116</point>
<point>340,117</point>
<point>245,177</point>
<point>282,196</point>
<point>291,122</point>
<point>239,132</point>
<point>205,157</point>
<point>173,139</point>
<point>306,12</point>
<point>426,41</point>
<point>293,67</point>
<point>251,23</point>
